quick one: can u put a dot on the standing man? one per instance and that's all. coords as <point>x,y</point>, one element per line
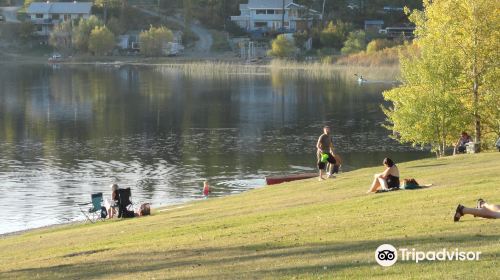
<point>325,152</point>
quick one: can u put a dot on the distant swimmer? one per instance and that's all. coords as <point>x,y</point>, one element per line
<point>206,189</point>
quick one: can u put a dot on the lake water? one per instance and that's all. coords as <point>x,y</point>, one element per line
<point>68,131</point>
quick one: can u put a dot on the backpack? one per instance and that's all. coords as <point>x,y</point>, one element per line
<point>145,209</point>
<point>410,184</point>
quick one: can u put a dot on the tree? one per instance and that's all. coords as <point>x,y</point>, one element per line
<point>300,39</point>
<point>356,42</point>
<point>426,110</point>
<point>114,25</point>
<point>27,3</point>
<point>454,76</point>
<point>334,35</point>
<point>101,40</point>
<point>154,40</point>
<point>281,47</point>
<point>472,30</point>
<point>60,37</point>
<point>81,32</point>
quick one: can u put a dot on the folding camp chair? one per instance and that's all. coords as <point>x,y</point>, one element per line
<point>96,211</point>
<point>124,203</point>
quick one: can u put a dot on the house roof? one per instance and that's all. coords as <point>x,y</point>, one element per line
<point>60,8</point>
<point>267,4</point>
<point>374,21</point>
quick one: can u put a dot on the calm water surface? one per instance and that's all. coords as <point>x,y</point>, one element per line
<point>69,131</point>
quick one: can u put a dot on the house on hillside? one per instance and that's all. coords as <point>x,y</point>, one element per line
<point>44,15</point>
<point>373,26</point>
<point>267,15</point>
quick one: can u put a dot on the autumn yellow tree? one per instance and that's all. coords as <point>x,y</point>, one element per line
<point>281,47</point>
<point>101,40</point>
<point>154,40</point>
<point>458,63</point>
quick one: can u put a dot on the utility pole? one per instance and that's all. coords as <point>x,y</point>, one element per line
<point>283,18</point>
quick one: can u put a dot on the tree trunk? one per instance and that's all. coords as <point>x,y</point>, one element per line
<point>477,118</point>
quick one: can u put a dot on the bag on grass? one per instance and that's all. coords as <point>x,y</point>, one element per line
<point>145,209</point>
<point>410,184</point>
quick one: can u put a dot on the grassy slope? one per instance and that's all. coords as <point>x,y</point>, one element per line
<point>305,229</point>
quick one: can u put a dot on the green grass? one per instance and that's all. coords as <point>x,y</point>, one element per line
<point>300,230</point>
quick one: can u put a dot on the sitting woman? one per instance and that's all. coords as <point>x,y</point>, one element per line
<point>387,180</point>
<point>112,205</point>
<point>483,210</point>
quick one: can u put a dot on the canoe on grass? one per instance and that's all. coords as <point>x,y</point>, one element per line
<point>272,180</point>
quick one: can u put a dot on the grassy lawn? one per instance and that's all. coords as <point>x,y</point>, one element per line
<point>300,230</point>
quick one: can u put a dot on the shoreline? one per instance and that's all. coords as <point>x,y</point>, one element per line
<point>163,208</point>
<point>226,58</point>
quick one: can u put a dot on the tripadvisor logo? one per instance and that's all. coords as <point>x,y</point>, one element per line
<point>388,255</point>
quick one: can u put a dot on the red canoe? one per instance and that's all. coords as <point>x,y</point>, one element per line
<point>273,180</point>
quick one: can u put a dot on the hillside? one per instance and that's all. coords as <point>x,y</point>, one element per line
<point>306,229</point>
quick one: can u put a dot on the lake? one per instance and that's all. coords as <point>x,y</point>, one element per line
<point>69,131</point>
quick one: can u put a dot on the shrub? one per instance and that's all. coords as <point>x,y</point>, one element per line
<point>334,35</point>
<point>154,40</point>
<point>81,32</point>
<point>379,44</point>
<point>101,40</point>
<point>282,47</point>
<point>356,42</point>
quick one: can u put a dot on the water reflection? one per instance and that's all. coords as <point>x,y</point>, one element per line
<point>73,130</point>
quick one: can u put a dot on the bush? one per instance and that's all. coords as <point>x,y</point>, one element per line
<point>101,40</point>
<point>281,47</point>
<point>356,42</point>
<point>379,44</point>
<point>81,32</point>
<point>114,25</point>
<point>385,57</point>
<point>334,35</point>
<point>60,37</point>
<point>154,40</point>
<point>234,29</point>
<point>300,38</point>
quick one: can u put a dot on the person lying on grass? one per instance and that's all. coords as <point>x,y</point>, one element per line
<point>387,180</point>
<point>483,210</point>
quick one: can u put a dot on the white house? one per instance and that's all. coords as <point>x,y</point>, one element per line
<point>267,15</point>
<point>46,14</point>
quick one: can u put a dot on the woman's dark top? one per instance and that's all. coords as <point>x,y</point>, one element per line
<point>392,182</point>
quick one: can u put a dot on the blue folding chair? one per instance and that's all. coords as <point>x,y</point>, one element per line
<point>97,211</point>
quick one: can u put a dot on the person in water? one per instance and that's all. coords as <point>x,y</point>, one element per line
<point>387,180</point>
<point>461,145</point>
<point>483,209</point>
<point>206,189</point>
<point>324,152</point>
